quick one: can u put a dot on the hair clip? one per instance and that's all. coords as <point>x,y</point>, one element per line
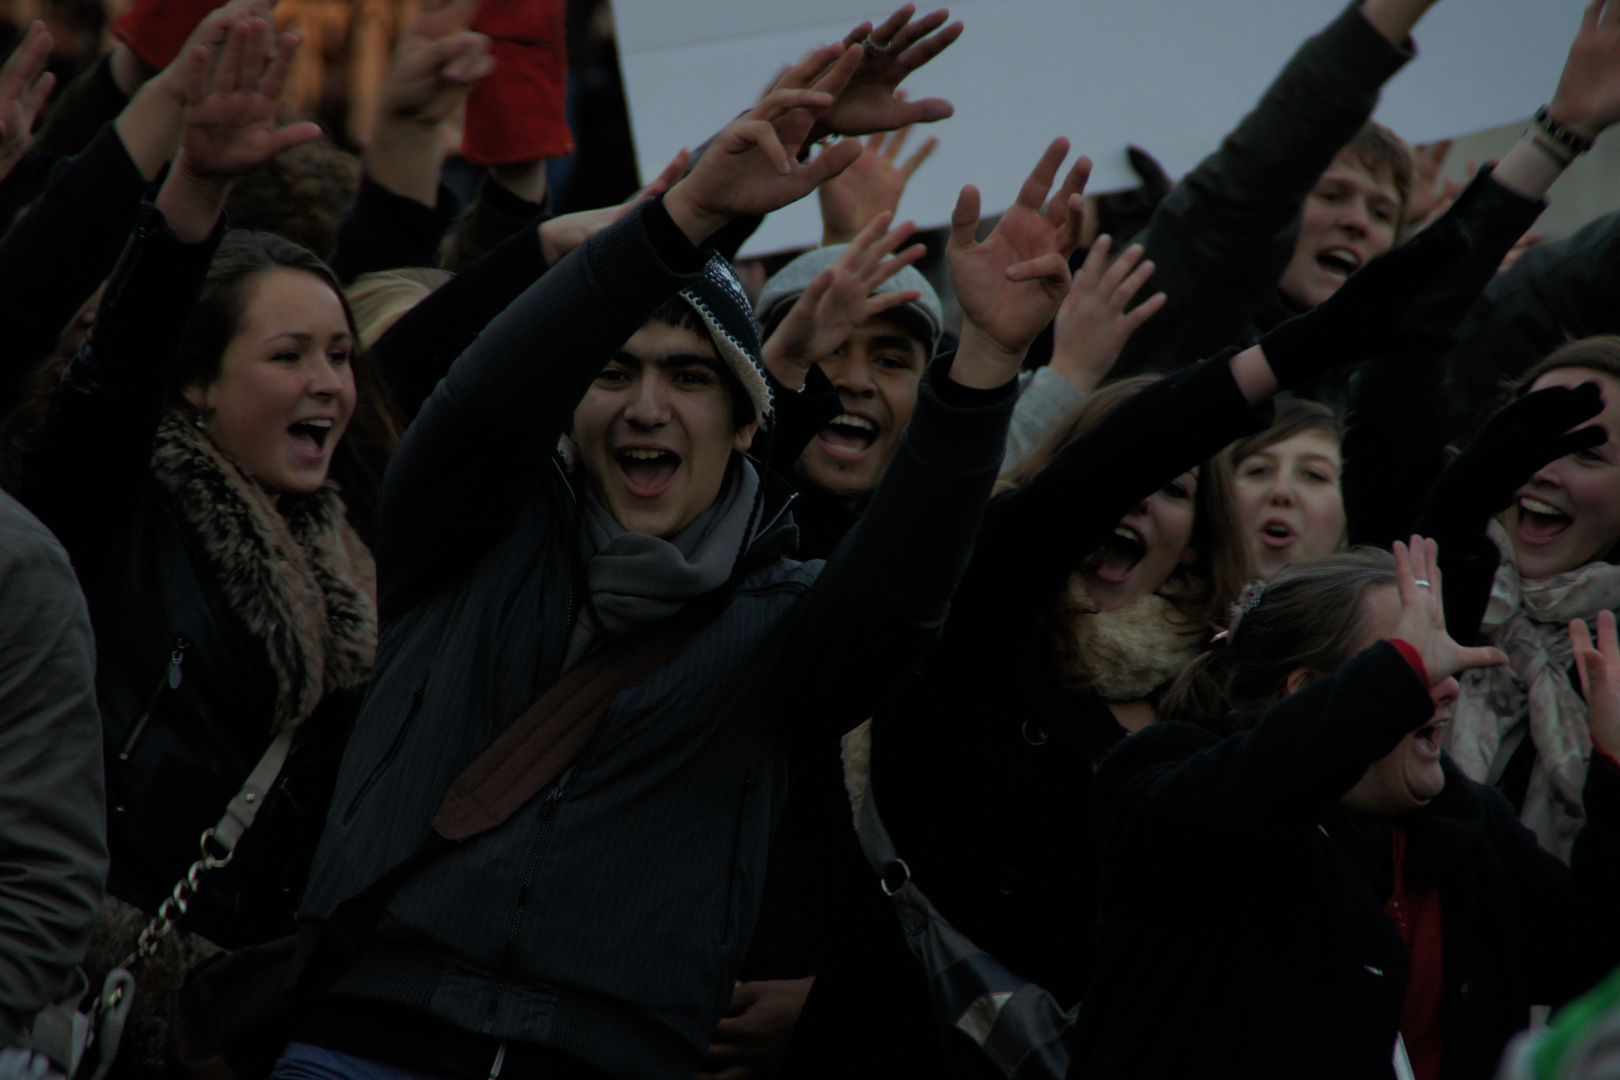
<point>1247,601</point>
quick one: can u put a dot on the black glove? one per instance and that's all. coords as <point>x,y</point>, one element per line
<point>1365,317</point>
<point>1518,441</point>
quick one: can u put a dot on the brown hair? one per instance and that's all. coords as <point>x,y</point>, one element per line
<point>360,456</point>
<point>379,300</point>
<point>1382,152</point>
<point>302,193</point>
<point>1310,616</point>
<point>1293,416</point>
<point>1213,581</point>
<point>1600,353</point>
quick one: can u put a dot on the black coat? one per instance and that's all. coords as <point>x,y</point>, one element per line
<point>1242,935</point>
<point>983,762</point>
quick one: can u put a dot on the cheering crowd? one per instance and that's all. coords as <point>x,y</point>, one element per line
<point>1172,637</point>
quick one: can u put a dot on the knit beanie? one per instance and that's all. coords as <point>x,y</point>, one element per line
<point>719,300</point>
<point>790,282</point>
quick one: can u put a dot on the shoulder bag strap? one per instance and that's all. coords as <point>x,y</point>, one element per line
<point>526,757</point>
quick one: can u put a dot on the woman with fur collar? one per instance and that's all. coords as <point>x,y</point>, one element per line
<point>204,461</point>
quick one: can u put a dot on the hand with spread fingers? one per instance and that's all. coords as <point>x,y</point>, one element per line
<point>1093,324</point>
<point>1423,622</point>
<point>562,234</point>
<point>750,168</point>
<point>1012,283</point>
<point>25,86</point>
<point>841,297</point>
<point>1588,94</point>
<point>230,123</point>
<point>875,183</point>
<point>1599,669</point>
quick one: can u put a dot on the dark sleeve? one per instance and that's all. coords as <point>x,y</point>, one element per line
<point>63,248</point>
<point>1173,797</point>
<point>1032,536</point>
<point>478,451</point>
<point>496,215</point>
<point>97,440</point>
<point>417,350</point>
<point>53,847</point>
<point>880,603</point>
<point>1394,446</point>
<point>800,414</point>
<point>1569,923</point>
<point>385,231</point>
<point>81,110</point>
<point>1557,291</point>
<point>22,185</point>
<point>1215,237</point>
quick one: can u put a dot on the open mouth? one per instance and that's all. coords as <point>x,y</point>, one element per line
<point>849,435</point>
<point>1341,262</point>
<point>311,434</point>
<point>1427,738</point>
<point>1541,522</point>
<point>1277,534</point>
<point>647,470</point>
<point>1118,555</point>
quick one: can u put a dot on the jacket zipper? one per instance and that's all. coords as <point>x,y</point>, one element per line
<point>170,680</point>
<point>531,868</point>
<point>387,758</point>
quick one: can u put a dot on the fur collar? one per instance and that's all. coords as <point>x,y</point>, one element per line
<point>295,573</point>
<point>1124,655</point>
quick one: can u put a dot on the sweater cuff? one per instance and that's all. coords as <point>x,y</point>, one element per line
<point>1352,50</point>
<point>960,428</point>
<point>1414,658</point>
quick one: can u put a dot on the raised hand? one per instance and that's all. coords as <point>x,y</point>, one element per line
<point>1599,669</point>
<point>1588,95</point>
<point>851,200</point>
<point>841,298</point>
<point>750,168</point>
<point>1012,284</point>
<point>562,234</point>
<point>898,46</point>
<point>436,64</point>
<point>1423,622</point>
<point>231,125</point>
<point>25,86</point>
<point>1093,326</point>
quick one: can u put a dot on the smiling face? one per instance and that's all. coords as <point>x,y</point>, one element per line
<point>1349,219</point>
<point>1146,547</point>
<point>1409,776</point>
<point>1288,496</point>
<point>656,430</point>
<point>876,373</point>
<point>1569,513</point>
<point>285,389</point>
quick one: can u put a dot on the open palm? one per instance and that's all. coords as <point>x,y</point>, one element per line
<point>231,125</point>
<point>1012,283</point>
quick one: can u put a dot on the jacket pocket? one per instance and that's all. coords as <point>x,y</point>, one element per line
<point>173,673</point>
<point>387,758</point>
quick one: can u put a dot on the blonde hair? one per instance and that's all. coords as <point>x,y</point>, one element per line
<point>380,299</point>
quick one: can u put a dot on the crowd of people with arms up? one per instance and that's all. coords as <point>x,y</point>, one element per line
<point>456,627</point>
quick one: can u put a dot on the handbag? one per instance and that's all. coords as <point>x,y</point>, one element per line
<point>997,1024</point>
<point>234,1015</point>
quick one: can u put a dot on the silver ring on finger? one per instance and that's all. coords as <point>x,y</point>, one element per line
<point>873,48</point>
<point>1420,583</point>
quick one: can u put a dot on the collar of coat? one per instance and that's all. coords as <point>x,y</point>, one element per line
<point>292,571</point>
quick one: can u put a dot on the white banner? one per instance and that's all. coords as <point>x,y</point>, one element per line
<point>1172,76</point>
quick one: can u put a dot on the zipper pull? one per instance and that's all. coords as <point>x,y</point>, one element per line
<point>176,658</point>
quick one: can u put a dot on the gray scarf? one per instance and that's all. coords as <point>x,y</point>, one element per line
<point>635,580</point>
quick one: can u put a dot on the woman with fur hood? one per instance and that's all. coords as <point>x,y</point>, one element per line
<point>203,461</point>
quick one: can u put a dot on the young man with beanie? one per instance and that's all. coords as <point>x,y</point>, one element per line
<point>598,930</point>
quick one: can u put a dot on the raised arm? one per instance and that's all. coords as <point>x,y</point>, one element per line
<point>1215,237</point>
<point>443,502</point>
<point>98,438</point>
<point>881,602</point>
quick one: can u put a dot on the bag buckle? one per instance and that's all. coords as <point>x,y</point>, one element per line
<point>896,872</point>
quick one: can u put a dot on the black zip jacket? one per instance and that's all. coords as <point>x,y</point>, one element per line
<point>1240,935</point>
<point>607,920</point>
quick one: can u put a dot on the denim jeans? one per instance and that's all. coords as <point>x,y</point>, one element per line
<point>302,1061</point>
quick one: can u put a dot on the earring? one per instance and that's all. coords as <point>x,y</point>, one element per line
<point>202,424</point>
